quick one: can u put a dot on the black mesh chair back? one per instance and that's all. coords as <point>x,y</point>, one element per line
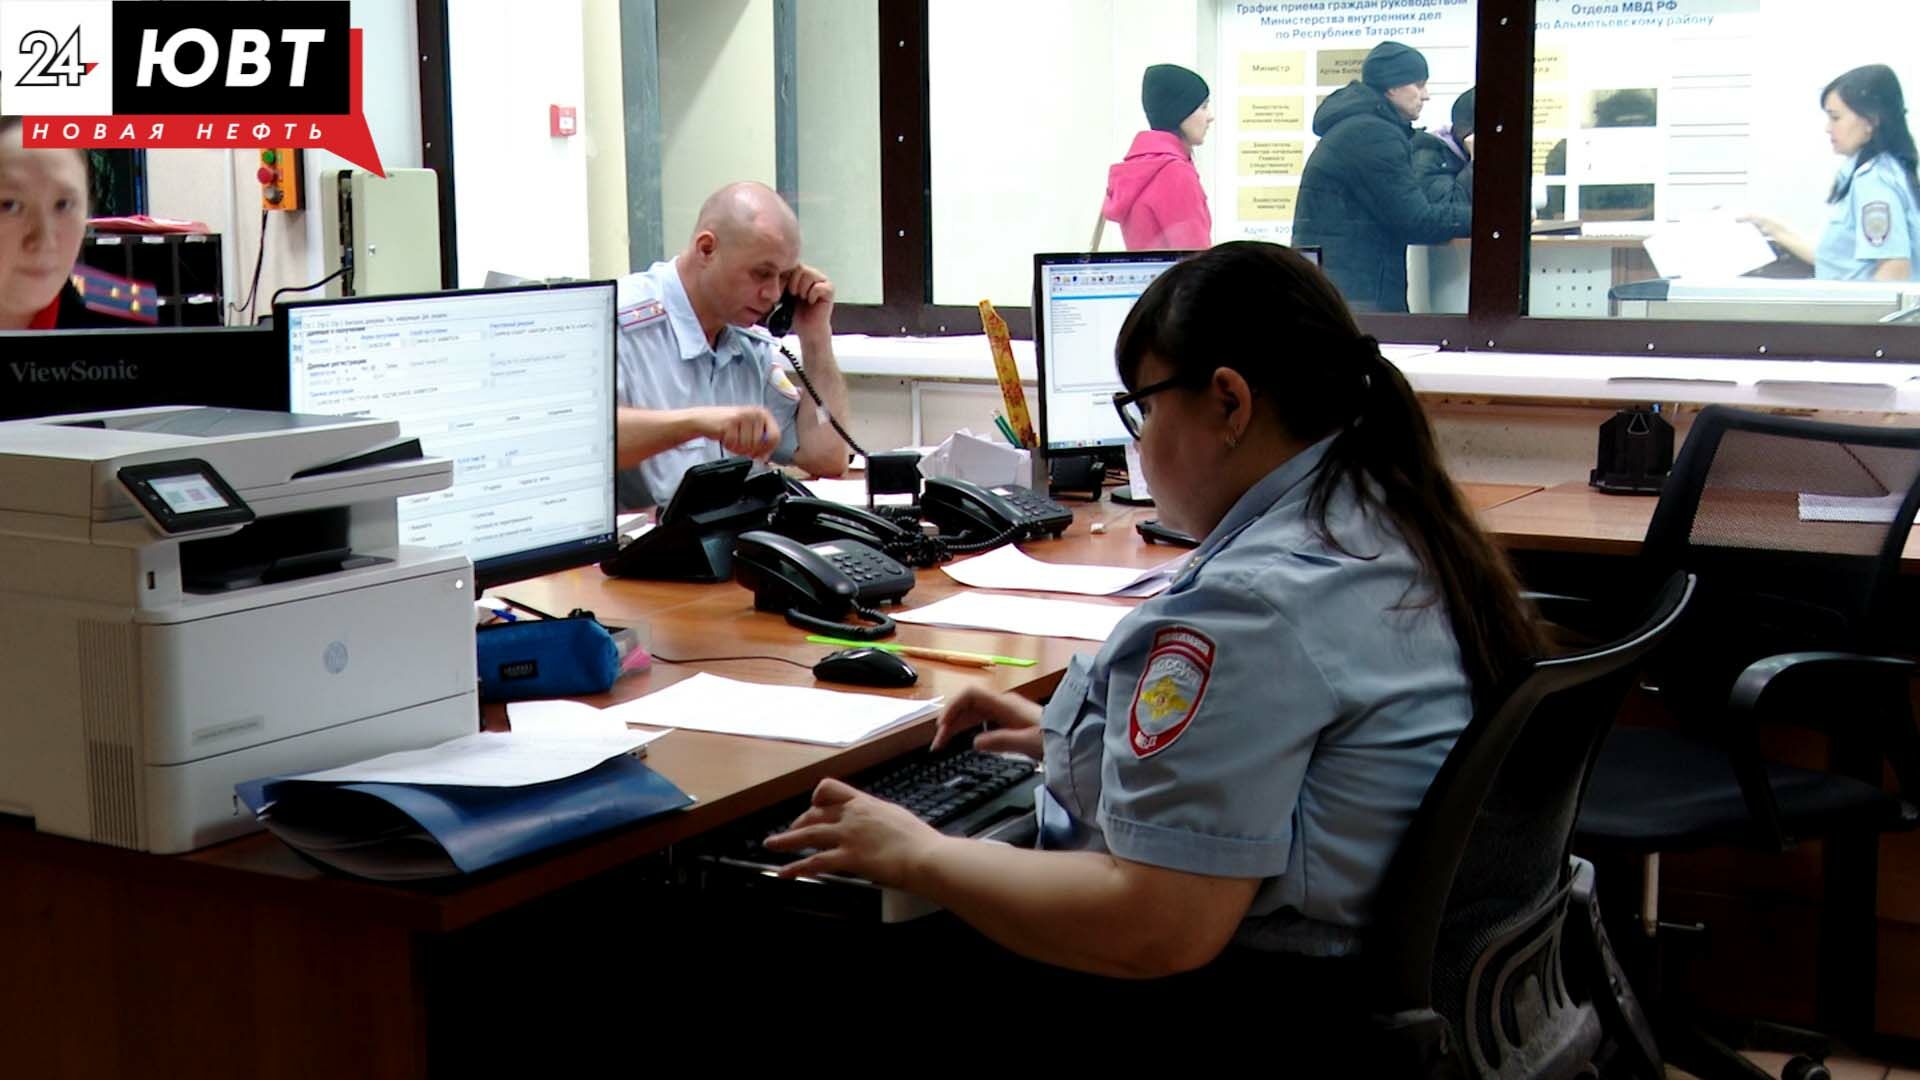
<point>1794,527</point>
<point>1470,913</point>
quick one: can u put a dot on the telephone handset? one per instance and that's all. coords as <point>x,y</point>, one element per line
<point>990,516</point>
<point>816,585</point>
<point>779,322</point>
<point>813,521</point>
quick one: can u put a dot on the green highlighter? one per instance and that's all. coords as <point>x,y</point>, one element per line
<point>952,656</point>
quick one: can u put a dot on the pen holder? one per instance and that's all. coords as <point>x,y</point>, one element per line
<point>1038,477</point>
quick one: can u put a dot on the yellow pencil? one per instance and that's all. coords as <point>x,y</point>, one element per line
<point>951,656</point>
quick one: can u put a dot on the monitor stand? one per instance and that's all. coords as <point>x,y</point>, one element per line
<point>1125,496</point>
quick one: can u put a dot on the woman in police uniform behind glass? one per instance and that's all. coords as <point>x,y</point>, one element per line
<point>43,219</point>
<point>1239,761</point>
<point>1873,224</point>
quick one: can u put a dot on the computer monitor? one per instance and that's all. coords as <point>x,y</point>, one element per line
<point>1079,301</point>
<point>51,372</point>
<point>515,386</point>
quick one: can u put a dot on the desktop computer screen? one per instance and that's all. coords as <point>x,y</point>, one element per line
<point>1079,302</point>
<point>49,372</point>
<point>515,386</point>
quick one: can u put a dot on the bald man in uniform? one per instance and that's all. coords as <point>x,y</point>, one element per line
<point>697,380</point>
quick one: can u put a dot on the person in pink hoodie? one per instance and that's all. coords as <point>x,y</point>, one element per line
<point>1154,193</point>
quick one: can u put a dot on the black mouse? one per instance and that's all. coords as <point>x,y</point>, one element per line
<point>865,666</point>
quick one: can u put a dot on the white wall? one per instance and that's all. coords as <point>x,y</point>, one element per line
<point>603,126</point>
<point>520,193</point>
<point>838,104</point>
<point>218,186</point>
<point>1030,103</point>
<point>716,103</point>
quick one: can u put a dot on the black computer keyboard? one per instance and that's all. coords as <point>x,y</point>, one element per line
<point>943,789</point>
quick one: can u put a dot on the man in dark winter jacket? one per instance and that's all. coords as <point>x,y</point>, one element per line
<point>1360,201</point>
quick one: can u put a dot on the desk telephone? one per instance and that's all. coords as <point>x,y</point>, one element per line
<point>816,585</point>
<point>971,518</point>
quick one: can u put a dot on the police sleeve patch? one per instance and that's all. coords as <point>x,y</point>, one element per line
<point>641,314</point>
<point>1876,222</point>
<point>1171,686</point>
<point>777,376</point>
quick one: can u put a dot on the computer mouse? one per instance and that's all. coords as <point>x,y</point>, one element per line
<point>865,666</point>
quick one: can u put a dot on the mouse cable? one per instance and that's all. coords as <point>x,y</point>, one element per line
<point>718,659</point>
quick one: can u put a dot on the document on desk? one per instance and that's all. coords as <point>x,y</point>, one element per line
<point>794,713</point>
<point>1019,615</point>
<point>497,758</point>
<point>854,493</point>
<point>1007,567</point>
<point>1864,509</point>
<point>1707,248</point>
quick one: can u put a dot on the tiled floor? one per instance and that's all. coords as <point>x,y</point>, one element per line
<point>1842,1068</point>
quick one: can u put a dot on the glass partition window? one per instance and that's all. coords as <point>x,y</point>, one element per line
<point>1690,164</point>
<point>592,160</point>
<point>1038,137</point>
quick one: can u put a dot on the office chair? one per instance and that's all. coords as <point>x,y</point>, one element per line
<point>1783,630</point>
<point>1487,955</point>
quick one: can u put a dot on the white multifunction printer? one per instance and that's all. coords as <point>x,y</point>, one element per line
<point>193,597</point>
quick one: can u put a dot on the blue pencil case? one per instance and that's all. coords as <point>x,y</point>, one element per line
<point>546,658</point>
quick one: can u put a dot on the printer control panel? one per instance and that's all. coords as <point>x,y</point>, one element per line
<point>183,496</point>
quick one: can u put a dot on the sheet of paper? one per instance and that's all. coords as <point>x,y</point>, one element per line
<point>1849,508</point>
<point>1007,567</point>
<point>495,758</point>
<point>560,715</point>
<point>853,493</point>
<point>1707,248</point>
<point>1020,615</point>
<point>795,713</point>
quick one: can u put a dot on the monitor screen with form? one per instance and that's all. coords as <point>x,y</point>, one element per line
<point>1079,302</point>
<point>514,386</point>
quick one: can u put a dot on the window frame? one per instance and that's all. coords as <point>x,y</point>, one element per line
<point>1496,319</point>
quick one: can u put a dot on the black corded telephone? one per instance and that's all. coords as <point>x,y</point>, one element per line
<point>693,541</point>
<point>814,521</point>
<point>816,585</point>
<point>963,508</point>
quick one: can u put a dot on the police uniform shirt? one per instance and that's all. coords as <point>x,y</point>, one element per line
<point>1876,219</point>
<point>666,363</point>
<point>1278,713</point>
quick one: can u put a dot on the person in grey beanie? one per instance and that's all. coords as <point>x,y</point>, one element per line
<point>1154,192</point>
<point>1360,200</point>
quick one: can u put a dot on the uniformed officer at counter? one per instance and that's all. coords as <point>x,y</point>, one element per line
<point>697,379</point>
<point>1239,762</point>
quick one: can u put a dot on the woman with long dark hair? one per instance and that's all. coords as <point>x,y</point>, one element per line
<point>1240,760</point>
<point>1873,222</point>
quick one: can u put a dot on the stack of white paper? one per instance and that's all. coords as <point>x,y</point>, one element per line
<point>854,493</point>
<point>1868,510</point>
<point>541,753</point>
<point>1007,567</point>
<point>797,713</point>
<point>1020,615</point>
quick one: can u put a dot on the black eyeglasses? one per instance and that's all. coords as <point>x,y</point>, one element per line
<point>1128,404</point>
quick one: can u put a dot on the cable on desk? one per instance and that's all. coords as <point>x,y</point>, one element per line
<point>718,659</point>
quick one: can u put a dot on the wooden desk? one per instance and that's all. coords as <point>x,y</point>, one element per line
<point>1575,519</point>
<point>242,959</point>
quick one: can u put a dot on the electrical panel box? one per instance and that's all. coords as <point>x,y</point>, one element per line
<point>386,232</point>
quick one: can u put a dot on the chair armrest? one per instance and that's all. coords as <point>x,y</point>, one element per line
<point>1763,692</point>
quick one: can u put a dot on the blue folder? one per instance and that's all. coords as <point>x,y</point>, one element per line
<point>396,832</point>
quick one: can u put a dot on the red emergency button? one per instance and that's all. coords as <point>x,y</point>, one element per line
<point>266,175</point>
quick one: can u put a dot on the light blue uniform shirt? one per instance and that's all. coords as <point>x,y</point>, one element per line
<point>1278,713</point>
<point>666,363</point>
<point>1876,219</point>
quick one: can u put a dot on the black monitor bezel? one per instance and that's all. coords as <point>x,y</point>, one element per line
<point>502,569</point>
<point>1041,262</point>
